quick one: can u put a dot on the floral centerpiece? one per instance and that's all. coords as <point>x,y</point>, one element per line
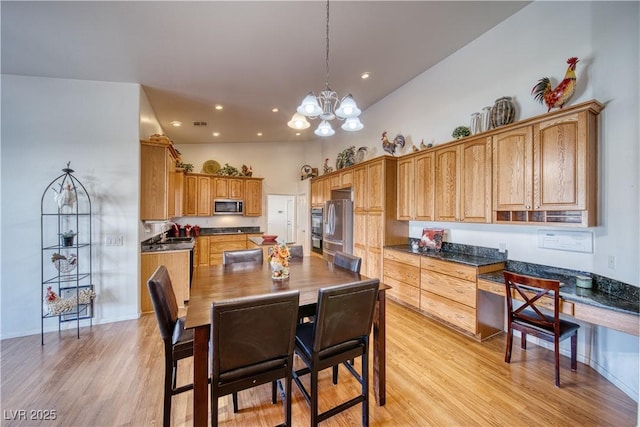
<point>279,261</point>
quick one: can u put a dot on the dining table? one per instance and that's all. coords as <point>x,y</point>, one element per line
<point>307,275</point>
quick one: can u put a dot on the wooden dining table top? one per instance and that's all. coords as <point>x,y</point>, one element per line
<point>220,282</point>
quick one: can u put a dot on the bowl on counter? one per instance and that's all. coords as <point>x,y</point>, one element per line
<point>266,238</point>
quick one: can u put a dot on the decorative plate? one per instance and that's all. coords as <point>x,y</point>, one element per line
<point>211,167</point>
<point>305,171</point>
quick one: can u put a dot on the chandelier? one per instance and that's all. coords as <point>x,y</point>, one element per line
<point>327,106</point>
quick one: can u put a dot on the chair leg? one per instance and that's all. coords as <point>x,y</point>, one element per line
<point>523,340</point>
<point>556,356</point>
<point>335,374</point>
<point>574,352</point>
<point>174,374</point>
<point>287,403</point>
<point>507,354</point>
<point>214,405</point>
<point>169,373</point>
<point>314,398</point>
<point>234,397</point>
<point>365,386</point>
<point>274,392</point>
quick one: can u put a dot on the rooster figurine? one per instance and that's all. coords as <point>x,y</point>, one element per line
<point>556,98</point>
<point>392,147</point>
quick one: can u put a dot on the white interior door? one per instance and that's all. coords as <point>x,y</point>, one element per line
<point>280,217</point>
<point>303,217</point>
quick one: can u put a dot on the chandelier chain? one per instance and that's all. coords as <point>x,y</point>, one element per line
<point>327,57</point>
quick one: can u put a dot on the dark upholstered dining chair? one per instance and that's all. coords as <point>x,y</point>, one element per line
<point>339,333</point>
<point>347,261</point>
<point>242,255</point>
<point>178,342</point>
<point>296,252</point>
<point>529,318</point>
<point>252,341</point>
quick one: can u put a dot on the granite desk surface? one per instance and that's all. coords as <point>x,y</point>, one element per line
<point>605,293</point>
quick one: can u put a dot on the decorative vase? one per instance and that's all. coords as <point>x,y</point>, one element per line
<point>485,120</point>
<point>474,126</point>
<point>503,112</point>
<point>278,271</point>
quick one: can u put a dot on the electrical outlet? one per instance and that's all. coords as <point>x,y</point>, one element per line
<point>502,247</point>
<point>113,240</point>
<point>612,262</point>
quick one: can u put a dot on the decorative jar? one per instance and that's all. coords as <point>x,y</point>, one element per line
<point>503,112</point>
<point>474,126</point>
<point>485,120</point>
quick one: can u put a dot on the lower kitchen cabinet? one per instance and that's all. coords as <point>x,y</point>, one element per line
<point>225,242</point>
<point>177,264</point>
<point>402,273</point>
<point>445,291</point>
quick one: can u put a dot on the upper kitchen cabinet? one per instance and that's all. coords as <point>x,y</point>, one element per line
<point>545,169</point>
<point>228,188</point>
<point>416,187</point>
<point>320,191</point>
<point>253,196</point>
<point>200,190</point>
<point>463,181</point>
<point>159,182</point>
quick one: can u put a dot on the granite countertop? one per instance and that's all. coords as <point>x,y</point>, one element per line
<point>258,241</point>
<point>570,292</point>
<point>605,292</point>
<point>229,230</point>
<point>475,260</point>
<point>163,246</point>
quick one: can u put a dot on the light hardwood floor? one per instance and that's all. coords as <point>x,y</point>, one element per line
<point>113,376</point>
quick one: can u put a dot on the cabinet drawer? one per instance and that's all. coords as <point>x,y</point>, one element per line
<point>228,238</point>
<point>493,287</point>
<point>402,272</point>
<point>219,247</point>
<point>449,287</point>
<point>404,258</point>
<point>403,292</point>
<point>452,312</point>
<point>566,307</point>
<point>450,268</point>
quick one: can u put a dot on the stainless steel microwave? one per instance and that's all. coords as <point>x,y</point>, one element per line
<point>228,207</point>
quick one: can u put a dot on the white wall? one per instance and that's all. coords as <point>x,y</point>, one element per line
<point>45,123</point>
<point>508,60</point>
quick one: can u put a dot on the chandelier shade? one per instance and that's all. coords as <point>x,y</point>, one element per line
<point>328,106</point>
<point>298,121</point>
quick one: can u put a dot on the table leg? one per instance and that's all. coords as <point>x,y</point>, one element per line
<point>201,376</point>
<point>379,350</point>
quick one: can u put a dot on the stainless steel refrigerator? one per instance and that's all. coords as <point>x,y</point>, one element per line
<point>337,228</point>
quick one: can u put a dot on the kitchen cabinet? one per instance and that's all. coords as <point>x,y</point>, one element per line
<point>228,188</point>
<point>202,251</point>
<point>545,169</point>
<point>402,273</point>
<point>416,174</point>
<point>176,188</point>
<point>225,242</point>
<point>157,189</point>
<point>197,195</point>
<point>449,292</point>
<point>320,191</point>
<point>253,197</point>
<point>177,264</point>
<point>375,224</point>
<point>463,181</point>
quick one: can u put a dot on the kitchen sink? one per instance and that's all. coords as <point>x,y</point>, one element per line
<point>177,240</point>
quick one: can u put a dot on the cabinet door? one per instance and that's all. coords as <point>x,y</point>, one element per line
<point>326,190</point>
<point>424,187</point>
<point>236,188</point>
<point>179,193</point>
<point>447,184</point>
<point>171,187</point>
<point>346,179</point>
<point>560,169</point>
<point>253,197</point>
<point>375,242</point>
<point>154,182</point>
<point>177,264</point>
<point>405,208</point>
<point>220,188</point>
<point>190,195</point>
<point>475,189</point>
<point>360,189</point>
<point>375,186</point>
<point>512,169</point>
<point>204,196</point>
<point>203,251</point>
<point>335,182</point>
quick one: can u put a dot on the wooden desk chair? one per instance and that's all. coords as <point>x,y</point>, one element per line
<point>178,342</point>
<point>529,319</point>
<point>252,342</point>
<point>242,255</point>
<point>347,261</point>
<point>339,333</point>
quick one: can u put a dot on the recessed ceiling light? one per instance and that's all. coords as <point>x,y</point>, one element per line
<point>216,134</point>
<point>259,133</point>
<point>275,109</point>
<point>365,75</point>
<point>298,133</point>
<point>175,123</point>
<point>218,107</point>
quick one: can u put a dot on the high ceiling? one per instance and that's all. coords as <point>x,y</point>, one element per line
<point>248,56</point>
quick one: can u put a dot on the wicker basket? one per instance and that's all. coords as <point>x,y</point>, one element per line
<point>63,264</point>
